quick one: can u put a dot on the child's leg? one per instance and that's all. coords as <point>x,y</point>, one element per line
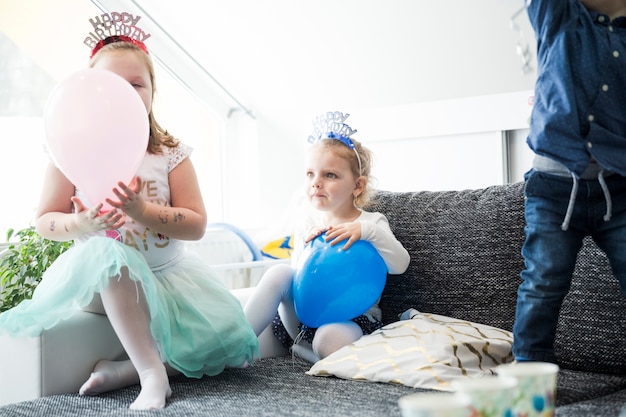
<point>108,376</point>
<point>126,308</point>
<point>331,337</point>
<point>304,351</point>
<point>274,290</point>
<point>549,256</point>
<point>111,375</point>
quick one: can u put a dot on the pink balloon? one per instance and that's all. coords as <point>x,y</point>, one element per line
<point>97,131</point>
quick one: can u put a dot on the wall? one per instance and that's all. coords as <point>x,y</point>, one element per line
<point>446,144</point>
<point>289,61</point>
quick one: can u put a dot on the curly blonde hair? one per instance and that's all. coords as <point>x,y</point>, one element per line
<point>340,149</point>
<point>158,135</point>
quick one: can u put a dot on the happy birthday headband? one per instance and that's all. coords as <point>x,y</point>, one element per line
<point>115,27</point>
<point>331,125</point>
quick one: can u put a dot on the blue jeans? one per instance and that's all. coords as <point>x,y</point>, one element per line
<point>550,253</point>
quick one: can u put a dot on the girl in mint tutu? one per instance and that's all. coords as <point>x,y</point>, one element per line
<point>170,312</point>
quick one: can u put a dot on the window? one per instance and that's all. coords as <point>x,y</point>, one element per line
<point>25,88</point>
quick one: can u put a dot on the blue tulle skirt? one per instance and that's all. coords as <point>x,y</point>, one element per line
<point>198,324</point>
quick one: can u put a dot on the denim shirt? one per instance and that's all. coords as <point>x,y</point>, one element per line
<point>580,93</point>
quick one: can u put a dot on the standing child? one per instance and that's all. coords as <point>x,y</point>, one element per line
<point>170,312</point>
<point>337,173</point>
<point>576,187</point>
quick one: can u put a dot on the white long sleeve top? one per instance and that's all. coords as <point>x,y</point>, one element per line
<point>374,229</point>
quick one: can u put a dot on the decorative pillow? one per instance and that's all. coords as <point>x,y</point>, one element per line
<point>427,351</point>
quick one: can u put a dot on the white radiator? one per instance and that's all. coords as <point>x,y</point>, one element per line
<point>231,258</point>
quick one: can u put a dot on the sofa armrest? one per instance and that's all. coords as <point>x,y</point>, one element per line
<point>61,359</point>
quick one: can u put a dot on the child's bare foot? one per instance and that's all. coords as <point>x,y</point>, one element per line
<point>109,376</point>
<point>155,390</point>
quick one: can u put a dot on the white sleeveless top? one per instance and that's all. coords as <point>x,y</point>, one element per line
<point>159,250</point>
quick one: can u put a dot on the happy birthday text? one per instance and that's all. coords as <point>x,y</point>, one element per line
<point>112,24</point>
<point>331,122</point>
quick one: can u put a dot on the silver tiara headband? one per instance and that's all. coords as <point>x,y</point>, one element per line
<point>331,125</point>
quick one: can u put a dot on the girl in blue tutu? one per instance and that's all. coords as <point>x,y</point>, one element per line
<point>169,311</point>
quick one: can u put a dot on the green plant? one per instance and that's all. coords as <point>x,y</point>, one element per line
<point>23,263</point>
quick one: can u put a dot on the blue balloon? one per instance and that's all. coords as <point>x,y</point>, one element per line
<point>333,285</point>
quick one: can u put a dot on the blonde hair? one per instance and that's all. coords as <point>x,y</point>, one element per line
<point>158,135</point>
<point>342,150</point>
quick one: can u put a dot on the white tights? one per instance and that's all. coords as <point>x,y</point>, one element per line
<point>125,305</point>
<point>274,293</point>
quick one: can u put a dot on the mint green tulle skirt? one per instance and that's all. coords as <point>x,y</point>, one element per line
<point>199,326</point>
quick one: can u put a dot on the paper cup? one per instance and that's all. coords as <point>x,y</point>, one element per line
<point>535,394</point>
<point>435,404</point>
<point>489,395</point>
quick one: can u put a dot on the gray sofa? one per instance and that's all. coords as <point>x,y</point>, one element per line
<point>466,259</point>
<point>465,263</point>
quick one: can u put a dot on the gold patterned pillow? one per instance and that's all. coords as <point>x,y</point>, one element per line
<point>427,351</point>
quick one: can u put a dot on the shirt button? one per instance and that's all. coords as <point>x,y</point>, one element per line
<point>610,28</point>
<point>590,117</point>
<point>600,19</point>
<point>605,87</point>
<point>589,145</point>
<point>616,54</point>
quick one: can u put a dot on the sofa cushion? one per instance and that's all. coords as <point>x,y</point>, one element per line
<point>575,386</point>
<point>591,334</point>
<point>466,261</point>
<point>427,351</point>
<point>465,249</point>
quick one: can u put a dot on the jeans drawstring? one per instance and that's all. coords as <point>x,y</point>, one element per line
<point>607,196</point>
<point>570,204</point>
<point>572,200</point>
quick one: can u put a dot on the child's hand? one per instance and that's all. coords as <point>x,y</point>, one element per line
<point>92,220</point>
<point>130,200</point>
<point>345,231</point>
<point>314,232</point>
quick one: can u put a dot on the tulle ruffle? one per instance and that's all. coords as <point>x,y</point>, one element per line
<point>197,323</point>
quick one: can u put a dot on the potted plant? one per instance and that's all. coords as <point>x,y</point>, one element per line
<point>22,264</point>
